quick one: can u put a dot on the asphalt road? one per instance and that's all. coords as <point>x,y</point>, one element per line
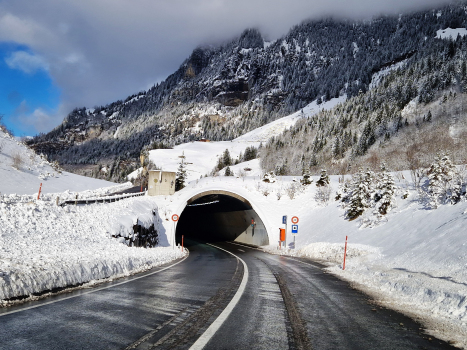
<point>284,303</point>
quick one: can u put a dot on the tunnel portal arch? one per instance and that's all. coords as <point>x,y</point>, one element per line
<point>218,214</point>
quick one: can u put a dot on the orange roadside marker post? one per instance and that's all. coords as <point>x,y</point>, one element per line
<point>40,189</point>
<point>345,252</point>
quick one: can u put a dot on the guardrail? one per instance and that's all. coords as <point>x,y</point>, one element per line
<point>101,200</point>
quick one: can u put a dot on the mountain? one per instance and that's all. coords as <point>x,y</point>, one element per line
<point>222,92</point>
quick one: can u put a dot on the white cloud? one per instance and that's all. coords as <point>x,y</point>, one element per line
<point>26,62</point>
<point>39,120</point>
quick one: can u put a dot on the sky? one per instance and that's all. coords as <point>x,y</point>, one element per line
<point>57,55</point>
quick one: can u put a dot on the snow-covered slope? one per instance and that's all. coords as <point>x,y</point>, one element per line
<point>451,33</point>
<point>201,157</point>
<point>44,246</point>
<point>276,127</point>
<point>31,170</point>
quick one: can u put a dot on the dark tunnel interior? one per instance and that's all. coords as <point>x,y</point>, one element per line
<point>215,218</point>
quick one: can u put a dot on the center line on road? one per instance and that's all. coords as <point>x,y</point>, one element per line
<point>242,250</point>
<point>214,327</point>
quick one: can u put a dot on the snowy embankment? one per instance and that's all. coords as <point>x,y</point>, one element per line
<point>44,246</point>
<point>413,259</point>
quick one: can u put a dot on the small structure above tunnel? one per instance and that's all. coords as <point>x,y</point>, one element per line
<point>161,183</point>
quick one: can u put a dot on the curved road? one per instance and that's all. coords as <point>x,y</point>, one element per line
<point>284,303</point>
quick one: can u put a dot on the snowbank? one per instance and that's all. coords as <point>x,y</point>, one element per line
<point>44,246</point>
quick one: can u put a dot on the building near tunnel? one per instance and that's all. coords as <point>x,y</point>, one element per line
<point>218,215</point>
<point>161,182</point>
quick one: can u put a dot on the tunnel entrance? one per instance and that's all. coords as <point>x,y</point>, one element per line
<point>215,217</point>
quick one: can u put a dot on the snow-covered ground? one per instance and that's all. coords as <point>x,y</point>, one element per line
<point>32,170</point>
<point>450,33</point>
<point>44,246</point>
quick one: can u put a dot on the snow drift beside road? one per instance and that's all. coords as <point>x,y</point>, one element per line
<point>44,246</point>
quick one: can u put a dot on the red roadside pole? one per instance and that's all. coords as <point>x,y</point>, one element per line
<point>182,243</point>
<point>345,252</point>
<point>40,188</point>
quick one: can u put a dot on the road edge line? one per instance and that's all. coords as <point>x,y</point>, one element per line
<point>92,291</point>
<point>214,327</point>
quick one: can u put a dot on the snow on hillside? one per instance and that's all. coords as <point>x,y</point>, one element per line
<point>275,128</point>
<point>450,33</point>
<point>31,170</point>
<point>44,246</point>
<point>376,77</point>
<point>414,260</point>
<point>201,157</point>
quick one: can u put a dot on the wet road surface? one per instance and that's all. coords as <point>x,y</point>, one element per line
<point>285,303</point>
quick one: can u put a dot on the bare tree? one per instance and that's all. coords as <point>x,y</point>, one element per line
<point>17,161</point>
<point>415,166</point>
<point>323,194</point>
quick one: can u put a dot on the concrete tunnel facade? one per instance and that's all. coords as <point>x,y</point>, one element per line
<point>221,215</point>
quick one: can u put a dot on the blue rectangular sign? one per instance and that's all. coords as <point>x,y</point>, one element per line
<point>294,228</point>
<point>284,219</point>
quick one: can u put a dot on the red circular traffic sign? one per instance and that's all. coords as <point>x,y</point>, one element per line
<point>294,220</point>
<point>175,217</point>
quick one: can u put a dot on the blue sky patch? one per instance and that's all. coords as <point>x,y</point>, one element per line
<point>25,85</point>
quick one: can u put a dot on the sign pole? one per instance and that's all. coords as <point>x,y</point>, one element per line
<point>175,218</point>
<point>294,228</point>
<point>285,238</point>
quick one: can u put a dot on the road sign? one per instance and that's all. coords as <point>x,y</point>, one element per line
<point>295,229</point>
<point>284,219</point>
<point>294,220</point>
<point>175,217</point>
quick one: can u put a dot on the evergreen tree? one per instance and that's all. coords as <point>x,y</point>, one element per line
<point>442,185</point>
<point>429,116</point>
<point>226,159</point>
<point>306,177</point>
<point>360,197</point>
<point>228,172</point>
<point>386,188</point>
<point>181,174</point>
<point>323,180</point>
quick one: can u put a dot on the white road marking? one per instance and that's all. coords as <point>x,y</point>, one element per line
<point>214,327</point>
<point>91,291</point>
<point>242,250</point>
